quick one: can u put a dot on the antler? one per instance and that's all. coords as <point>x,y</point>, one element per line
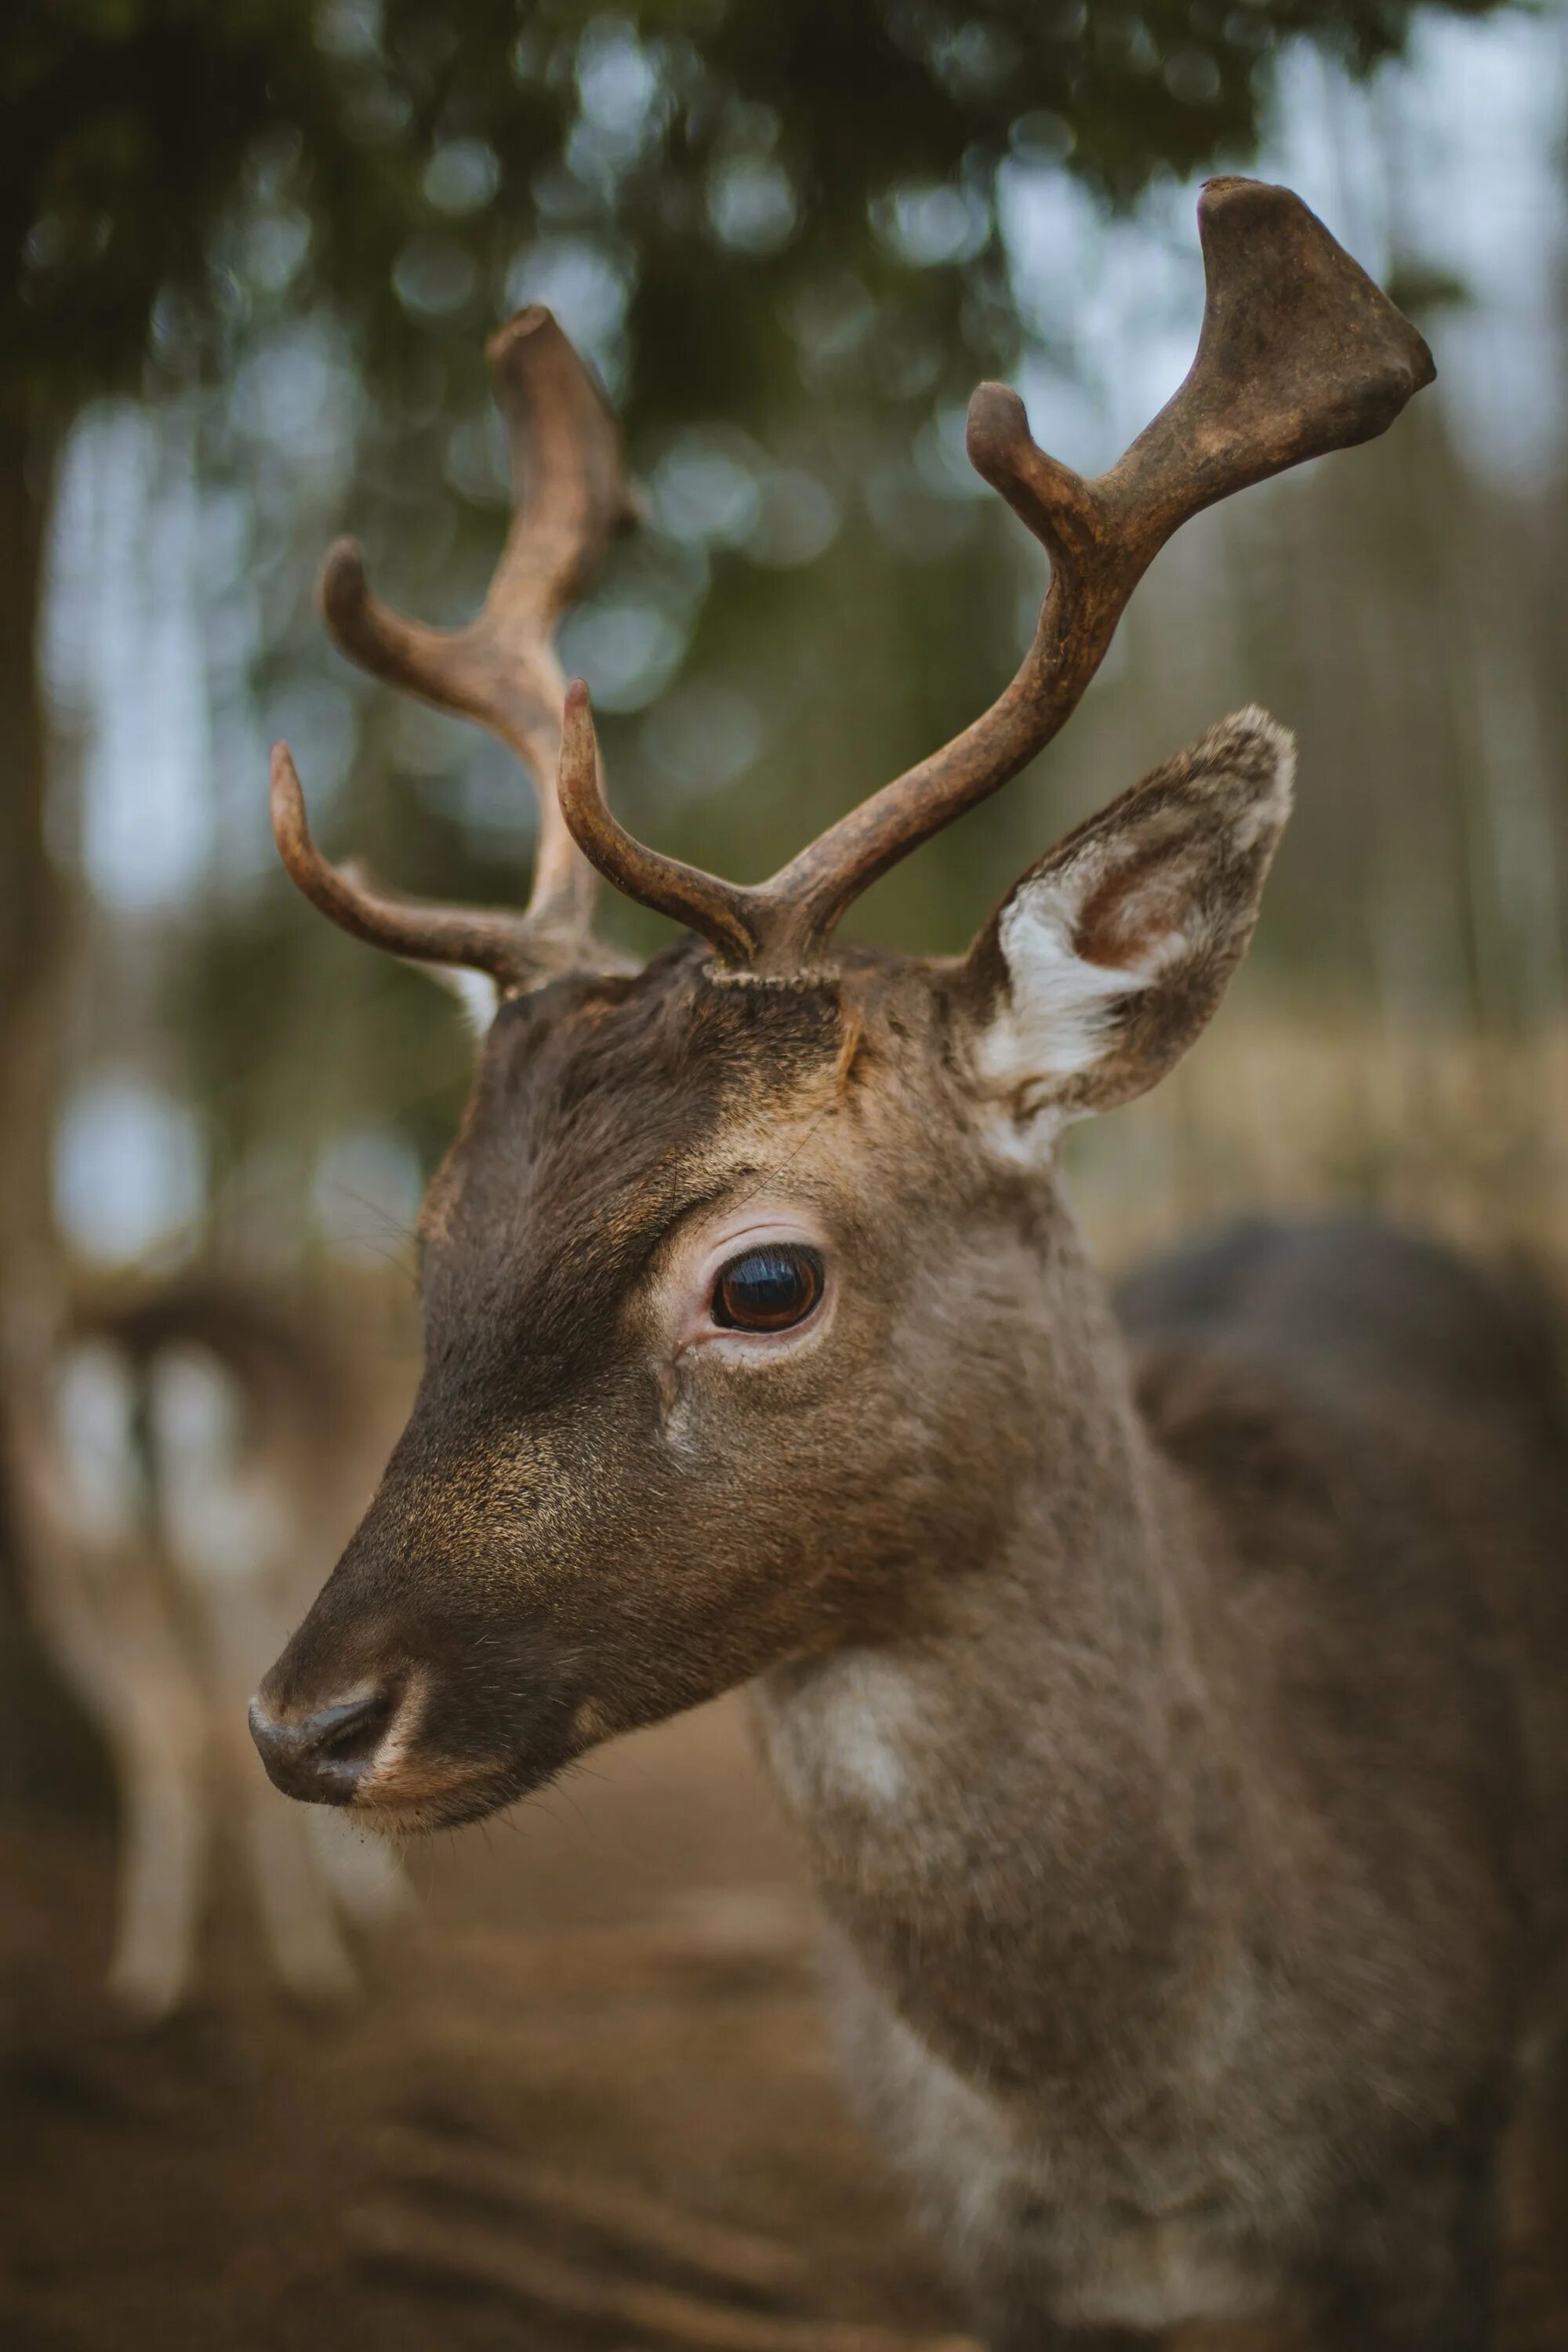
<point>569,495</point>
<point>1300,354</point>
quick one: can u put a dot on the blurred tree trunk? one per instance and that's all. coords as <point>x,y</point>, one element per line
<point>45,1747</point>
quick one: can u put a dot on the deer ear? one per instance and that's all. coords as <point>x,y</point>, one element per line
<point>1104,962</point>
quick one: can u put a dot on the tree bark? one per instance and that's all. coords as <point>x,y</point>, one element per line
<point>46,1751</point>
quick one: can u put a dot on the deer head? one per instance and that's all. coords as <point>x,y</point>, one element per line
<point>724,1274</point>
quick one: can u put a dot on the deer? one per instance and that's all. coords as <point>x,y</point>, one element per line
<point>172,1455</point>
<point>1170,1690</point>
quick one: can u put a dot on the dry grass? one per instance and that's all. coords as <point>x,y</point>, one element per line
<point>1279,1110</point>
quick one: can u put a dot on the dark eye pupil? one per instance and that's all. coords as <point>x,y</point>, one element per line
<point>768,1289</point>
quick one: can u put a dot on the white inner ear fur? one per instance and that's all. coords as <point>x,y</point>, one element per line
<point>1058,1016</point>
<point>475,991</point>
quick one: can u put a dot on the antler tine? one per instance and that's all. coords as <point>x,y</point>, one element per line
<point>493,940</point>
<point>569,496</point>
<point>1300,354</point>
<point>719,910</point>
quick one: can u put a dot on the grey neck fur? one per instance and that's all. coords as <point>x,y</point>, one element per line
<point>1014,1812</point>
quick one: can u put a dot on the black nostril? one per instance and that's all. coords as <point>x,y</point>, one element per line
<point>322,1757</point>
<point>351,1732</point>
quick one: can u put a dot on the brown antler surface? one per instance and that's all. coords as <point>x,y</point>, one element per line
<point>1300,354</point>
<point>569,495</point>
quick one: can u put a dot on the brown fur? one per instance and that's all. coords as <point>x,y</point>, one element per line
<point>1178,1722</point>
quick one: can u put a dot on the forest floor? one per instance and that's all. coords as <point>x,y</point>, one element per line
<point>586,2102</point>
<point>602,2031</point>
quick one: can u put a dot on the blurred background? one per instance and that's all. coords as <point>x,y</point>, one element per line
<point>254,254</point>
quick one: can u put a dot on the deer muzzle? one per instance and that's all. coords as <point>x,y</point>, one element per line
<point>324,1755</point>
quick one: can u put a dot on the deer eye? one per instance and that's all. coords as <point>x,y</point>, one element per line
<point>768,1289</point>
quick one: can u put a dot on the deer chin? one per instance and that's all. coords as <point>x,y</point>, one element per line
<point>440,1801</point>
<point>421,1798</point>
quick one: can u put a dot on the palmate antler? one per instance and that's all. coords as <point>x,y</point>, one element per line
<point>1300,354</point>
<point>570,495</point>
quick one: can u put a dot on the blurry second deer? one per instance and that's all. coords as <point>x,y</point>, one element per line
<point>188,1464</point>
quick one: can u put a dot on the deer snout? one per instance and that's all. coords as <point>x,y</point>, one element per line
<point>322,1757</point>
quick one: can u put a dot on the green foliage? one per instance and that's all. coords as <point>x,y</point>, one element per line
<point>168,163</point>
<point>785,215</point>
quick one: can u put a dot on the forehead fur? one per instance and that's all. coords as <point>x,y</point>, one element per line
<point>602,1108</point>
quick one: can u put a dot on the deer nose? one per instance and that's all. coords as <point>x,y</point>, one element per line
<point>323,1757</point>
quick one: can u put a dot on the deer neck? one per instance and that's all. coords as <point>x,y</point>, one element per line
<point>1004,1798</point>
